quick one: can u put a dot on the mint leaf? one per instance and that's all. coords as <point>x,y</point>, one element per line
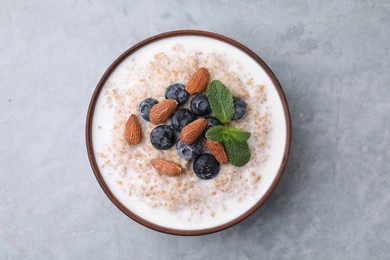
<point>238,134</point>
<point>238,153</point>
<point>221,101</point>
<point>216,133</point>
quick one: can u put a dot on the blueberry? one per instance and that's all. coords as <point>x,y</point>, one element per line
<point>181,117</point>
<point>177,92</point>
<point>211,121</point>
<point>189,151</point>
<point>200,105</point>
<point>205,166</point>
<point>239,108</point>
<point>162,137</point>
<point>145,106</point>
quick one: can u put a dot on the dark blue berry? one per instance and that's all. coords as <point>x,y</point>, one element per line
<point>206,166</point>
<point>145,106</point>
<point>239,108</point>
<point>200,105</point>
<point>177,92</point>
<point>189,151</point>
<point>211,122</point>
<point>181,117</point>
<point>162,137</point>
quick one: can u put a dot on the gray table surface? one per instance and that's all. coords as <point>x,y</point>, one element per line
<point>332,59</point>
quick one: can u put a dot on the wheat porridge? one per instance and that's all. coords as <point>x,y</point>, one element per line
<point>186,201</point>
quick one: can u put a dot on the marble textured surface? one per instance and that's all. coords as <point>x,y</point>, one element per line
<point>332,58</point>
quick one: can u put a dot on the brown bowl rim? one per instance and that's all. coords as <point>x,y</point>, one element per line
<point>91,154</point>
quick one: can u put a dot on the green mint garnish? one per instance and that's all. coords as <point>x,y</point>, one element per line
<point>238,134</point>
<point>235,142</point>
<point>222,133</point>
<point>216,133</point>
<point>238,153</point>
<point>233,139</point>
<point>221,101</point>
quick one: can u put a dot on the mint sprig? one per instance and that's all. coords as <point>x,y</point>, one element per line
<point>238,134</point>
<point>222,133</point>
<point>221,101</point>
<point>216,133</point>
<point>234,141</point>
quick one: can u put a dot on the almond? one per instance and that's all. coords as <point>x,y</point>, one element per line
<point>198,81</point>
<point>192,131</point>
<point>218,151</point>
<point>166,168</point>
<point>133,132</point>
<point>162,111</point>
